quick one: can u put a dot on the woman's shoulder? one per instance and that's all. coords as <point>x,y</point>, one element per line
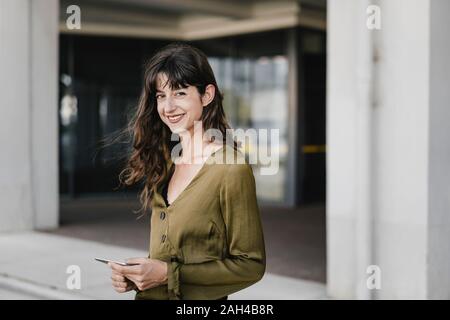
<point>233,163</point>
<point>237,179</point>
<point>228,155</point>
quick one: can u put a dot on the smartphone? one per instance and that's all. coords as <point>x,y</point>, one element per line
<point>118,262</point>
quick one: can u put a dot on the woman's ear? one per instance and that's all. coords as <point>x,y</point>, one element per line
<point>209,94</point>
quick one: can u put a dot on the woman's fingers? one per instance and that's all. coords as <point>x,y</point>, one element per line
<point>148,273</point>
<point>117,277</point>
<point>134,279</point>
<point>121,290</point>
<point>126,270</point>
<point>137,260</point>
<point>120,283</point>
<point>121,287</point>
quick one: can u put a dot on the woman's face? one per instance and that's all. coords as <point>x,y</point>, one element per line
<point>179,108</point>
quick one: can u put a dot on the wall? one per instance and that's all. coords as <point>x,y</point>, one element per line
<point>29,109</point>
<point>388,162</point>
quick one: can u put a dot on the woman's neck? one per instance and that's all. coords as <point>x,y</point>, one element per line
<point>193,146</point>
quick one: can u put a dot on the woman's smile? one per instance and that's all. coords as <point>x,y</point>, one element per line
<point>175,118</point>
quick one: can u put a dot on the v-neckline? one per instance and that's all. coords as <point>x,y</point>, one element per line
<point>196,176</point>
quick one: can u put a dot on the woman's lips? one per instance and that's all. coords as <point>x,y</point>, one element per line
<point>175,118</point>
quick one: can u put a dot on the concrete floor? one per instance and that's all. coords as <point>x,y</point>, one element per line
<point>295,238</point>
<point>41,265</point>
<point>10,294</point>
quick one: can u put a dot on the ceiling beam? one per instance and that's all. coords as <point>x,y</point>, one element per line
<point>130,23</point>
<point>232,9</point>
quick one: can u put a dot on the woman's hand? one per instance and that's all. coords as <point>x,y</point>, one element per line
<point>148,273</point>
<point>120,283</point>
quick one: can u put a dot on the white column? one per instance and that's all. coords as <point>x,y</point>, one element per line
<point>438,285</point>
<point>407,153</point>
<point>29,111</point>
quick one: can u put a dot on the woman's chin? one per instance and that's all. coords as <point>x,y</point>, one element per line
<point>178,129</point>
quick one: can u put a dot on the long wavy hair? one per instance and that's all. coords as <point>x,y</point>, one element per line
<point>184,65</point>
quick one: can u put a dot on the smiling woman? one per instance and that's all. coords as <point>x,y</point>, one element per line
<point>206,238</point>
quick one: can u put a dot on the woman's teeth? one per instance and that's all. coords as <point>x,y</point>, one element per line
<point>176,118</point>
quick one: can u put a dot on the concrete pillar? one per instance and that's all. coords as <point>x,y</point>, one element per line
<point>29,114</point>
<point>388,158</point>
<point>438,285</point>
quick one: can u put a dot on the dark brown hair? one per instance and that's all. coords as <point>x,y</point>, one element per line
<point>184,65</point>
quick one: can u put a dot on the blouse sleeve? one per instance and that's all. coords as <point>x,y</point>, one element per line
<point>246,262</point>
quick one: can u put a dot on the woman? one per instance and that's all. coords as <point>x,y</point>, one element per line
<point>206,239</point>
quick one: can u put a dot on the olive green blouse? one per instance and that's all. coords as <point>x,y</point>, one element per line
<point>211,234</point>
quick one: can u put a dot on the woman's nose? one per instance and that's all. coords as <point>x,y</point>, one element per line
<point>169,106</point>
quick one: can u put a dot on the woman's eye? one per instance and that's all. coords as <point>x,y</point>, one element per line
<point>180,94</point>
<point>159,96</point>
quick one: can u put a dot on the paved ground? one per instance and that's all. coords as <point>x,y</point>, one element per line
<point>35,265</point>
<point>12,294</point>
<point>295,238</point>
<point>40,266</point>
